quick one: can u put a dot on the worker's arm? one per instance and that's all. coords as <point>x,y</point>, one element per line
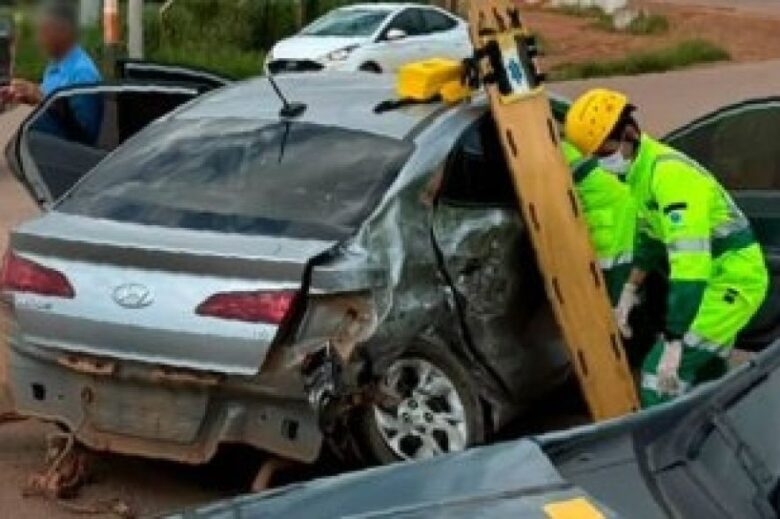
<point>21,91</point>
<point>683,198</point>
<point>649,252</point>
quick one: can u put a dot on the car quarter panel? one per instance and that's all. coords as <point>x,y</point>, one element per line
<point>392,251</point>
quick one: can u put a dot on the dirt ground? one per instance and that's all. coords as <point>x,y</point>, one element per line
<point>747,34</point>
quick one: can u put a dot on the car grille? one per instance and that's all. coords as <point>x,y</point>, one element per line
<point>291,65</point>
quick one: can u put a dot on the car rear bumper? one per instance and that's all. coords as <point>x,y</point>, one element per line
<point>153,412</point>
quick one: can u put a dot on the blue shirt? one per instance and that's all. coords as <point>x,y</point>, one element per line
<point>85,110</point>
<point>76,68</point>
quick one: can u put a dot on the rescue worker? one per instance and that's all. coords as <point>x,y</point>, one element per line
<point>610,214</point>
<point>690,228</point>
<point>609,211</point>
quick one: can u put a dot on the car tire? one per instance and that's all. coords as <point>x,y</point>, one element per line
<point>441,414</point>
<point>371,67</point>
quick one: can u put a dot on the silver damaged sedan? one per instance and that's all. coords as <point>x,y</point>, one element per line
<point>208,270</point>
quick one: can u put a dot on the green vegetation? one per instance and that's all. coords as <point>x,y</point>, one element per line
<point>228,62</point>
<point>644,23</point>
<point>684,54</point>
<point>29,62</point>
<point>231,37</point>
<point>580,11</point>
<point>226,36</point>
<point>647,23</point>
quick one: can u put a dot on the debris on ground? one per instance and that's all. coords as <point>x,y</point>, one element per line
<point>68,469</point>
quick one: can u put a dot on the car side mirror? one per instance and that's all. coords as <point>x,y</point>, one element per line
<point>395,35</point>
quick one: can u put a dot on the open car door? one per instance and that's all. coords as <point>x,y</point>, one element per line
<point>147,71</point>
<point>738,145</point>
<point>76,128</point>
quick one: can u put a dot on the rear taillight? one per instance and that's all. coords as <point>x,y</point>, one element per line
<point>253,307</point>
<point>22,275</point>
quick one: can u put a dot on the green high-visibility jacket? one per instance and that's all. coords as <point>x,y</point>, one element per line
<point>610,214</point>
<point>686,221</point>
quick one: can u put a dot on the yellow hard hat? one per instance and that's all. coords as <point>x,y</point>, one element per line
<point>592,118</point>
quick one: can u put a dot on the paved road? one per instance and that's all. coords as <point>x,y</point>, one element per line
<point>667,101</point>
<point>764,7</point>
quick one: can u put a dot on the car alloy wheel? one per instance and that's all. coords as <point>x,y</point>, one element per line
<point>423,415</point>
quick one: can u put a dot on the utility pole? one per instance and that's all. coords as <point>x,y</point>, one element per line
<point>135,29</point>
<point>111,35</point>
<point>89,13</point>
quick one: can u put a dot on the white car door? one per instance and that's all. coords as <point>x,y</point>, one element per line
<point>448,36</point>
<point>391,52</point>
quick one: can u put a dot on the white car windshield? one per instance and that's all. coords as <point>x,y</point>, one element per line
<point>348,22</point>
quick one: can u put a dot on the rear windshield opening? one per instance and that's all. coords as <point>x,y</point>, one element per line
<point>243,176</point>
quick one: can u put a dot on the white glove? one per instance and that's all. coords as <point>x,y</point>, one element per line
<point>629,299</point>
<point>669,383</point>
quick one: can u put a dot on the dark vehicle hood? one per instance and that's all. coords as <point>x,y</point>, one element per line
<point>512,479</point>
<point>711,454</point>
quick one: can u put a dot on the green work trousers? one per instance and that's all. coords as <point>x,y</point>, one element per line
<point>732,297</point>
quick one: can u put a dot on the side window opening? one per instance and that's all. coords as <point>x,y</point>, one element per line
<point>410,21</point>
<point>74,131</point>
<point>476,173</point>
<point>438,22</point>
<point>737,144</point>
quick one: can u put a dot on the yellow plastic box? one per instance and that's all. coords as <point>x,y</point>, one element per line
<point>424,80</point>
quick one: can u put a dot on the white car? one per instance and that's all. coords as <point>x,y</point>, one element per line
<point>373,38</point>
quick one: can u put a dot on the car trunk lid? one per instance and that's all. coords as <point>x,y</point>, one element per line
<point>138,289</point>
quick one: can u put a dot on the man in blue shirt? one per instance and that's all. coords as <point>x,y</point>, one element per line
<point>80,116</point>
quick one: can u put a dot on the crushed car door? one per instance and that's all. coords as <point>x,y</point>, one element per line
<point>73,130</point>
<point>158,73</point>
<point>487,260</point>
<point>738,145</point>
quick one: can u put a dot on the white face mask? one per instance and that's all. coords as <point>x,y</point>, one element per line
<point>616,163</point>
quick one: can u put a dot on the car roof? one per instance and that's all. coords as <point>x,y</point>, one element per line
<point>385,6</point>
<point>341,99</point>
